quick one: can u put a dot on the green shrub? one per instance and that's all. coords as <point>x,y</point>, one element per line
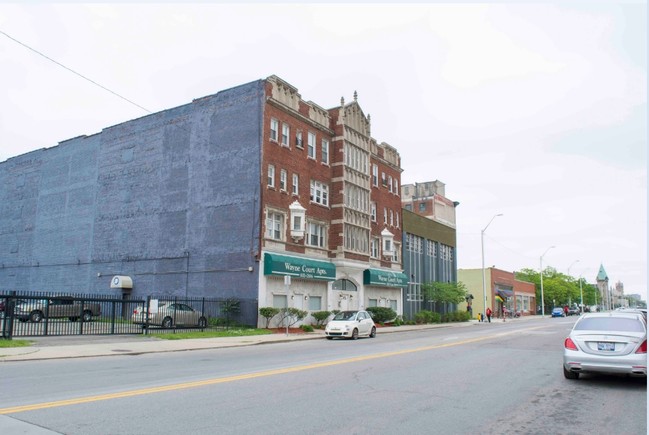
<point>436,318</point>
<point>423,317</point>
<point>268,313</point>
<point>382,314</point>
<point>306,328</point>
<point>320,316</point>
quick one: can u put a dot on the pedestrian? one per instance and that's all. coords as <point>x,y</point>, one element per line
<point>489,314</point>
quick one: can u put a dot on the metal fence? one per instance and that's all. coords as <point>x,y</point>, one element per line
<point>57,314</point>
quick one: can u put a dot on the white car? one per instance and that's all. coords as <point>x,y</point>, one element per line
<point>351,324</point>
<point>612,343</point>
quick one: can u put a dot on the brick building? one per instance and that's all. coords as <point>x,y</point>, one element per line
<point>222,197</point>
<point>502,290</point>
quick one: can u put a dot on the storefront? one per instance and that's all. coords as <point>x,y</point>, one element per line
<point>296,282</point>
<point>383,288</point>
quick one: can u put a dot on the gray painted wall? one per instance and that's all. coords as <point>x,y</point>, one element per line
<point>170,199</point>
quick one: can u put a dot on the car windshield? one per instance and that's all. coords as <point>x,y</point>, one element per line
<point>609,324</point>
<point>345,315</point>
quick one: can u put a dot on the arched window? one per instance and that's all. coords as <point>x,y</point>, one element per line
<point>344,284</point>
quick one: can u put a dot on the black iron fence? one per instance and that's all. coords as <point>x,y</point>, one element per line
<point>56,314</point>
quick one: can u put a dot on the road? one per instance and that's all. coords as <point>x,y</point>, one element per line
<point>499,378</point>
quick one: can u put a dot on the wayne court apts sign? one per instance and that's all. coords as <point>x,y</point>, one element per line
<point>275,264</point>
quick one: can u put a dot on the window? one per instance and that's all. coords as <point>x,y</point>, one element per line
<point>374,249</point>
<point>271,176</point>
<point>373,211</point>
<point>296,183</point>
<point>311,145</point>
<point>422,206</point>
<point>396,186</point>
<point>408,207</point>
<point>325,151</point>
<point>390,183</point>
<point>385,215</point>
<point>397,217</point>
<point>391,218</point>
<point>279,301</point>
<point>397,249</point>
<point>274,129</point>
<point>315,235</point>
<point>319,193</point>
<point>275,226</point>
<point>286,133</point>
<point>298,139</point>
<point>384,180</point>
<point>282,180</point>
<point>315,303</point>
<point>375,175</point>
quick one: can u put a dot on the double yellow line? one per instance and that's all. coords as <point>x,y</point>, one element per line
<point>188,385</point>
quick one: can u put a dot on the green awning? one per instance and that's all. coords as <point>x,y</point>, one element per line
<point>275,264</point>
<point>384,278</point>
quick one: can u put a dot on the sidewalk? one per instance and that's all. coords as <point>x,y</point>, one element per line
<point>91,346</point>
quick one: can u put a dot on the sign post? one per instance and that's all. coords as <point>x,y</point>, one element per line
<point>287,286</point>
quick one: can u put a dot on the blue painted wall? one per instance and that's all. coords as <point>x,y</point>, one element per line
<point>170,199</point>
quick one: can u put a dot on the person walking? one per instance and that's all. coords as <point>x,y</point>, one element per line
<point>489,314</point>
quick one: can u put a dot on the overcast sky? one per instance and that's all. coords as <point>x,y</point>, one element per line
<point>537,111</point>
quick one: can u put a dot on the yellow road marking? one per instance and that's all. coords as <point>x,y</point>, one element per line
<point>187,385</point>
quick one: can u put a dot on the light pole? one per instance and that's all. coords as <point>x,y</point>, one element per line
<point>543,303</point>
<point>484,279</point>
<point>571,264</point>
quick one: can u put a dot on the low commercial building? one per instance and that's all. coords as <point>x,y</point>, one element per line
<point>502,290</point>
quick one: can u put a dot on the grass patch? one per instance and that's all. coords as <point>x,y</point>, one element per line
<point>14,343</point>
<point>212,334</point>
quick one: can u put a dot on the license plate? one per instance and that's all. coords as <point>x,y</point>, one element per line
<point>606,346</point>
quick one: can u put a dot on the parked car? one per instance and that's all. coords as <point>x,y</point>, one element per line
<point>351,324</point>
<point>36,310</point>
<point>11,301</point>
<point>170,314</point>
<point>558,312</point>
<point>574,311</point>
<point>612,343</point>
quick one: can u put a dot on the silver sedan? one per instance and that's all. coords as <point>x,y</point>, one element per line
<point>611,343</point>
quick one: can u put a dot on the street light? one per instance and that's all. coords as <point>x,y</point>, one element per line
<point>573,263</point>
<point>543,303</point>
<point>484,279</point>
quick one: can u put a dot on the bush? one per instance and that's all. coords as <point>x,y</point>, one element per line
<point>423,317</point>
<point>268,313</point>
<point>320,316</point>
<point>382,314</point>
<point>306,328</point>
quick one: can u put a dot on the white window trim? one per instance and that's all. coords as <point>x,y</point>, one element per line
<point>296,184</point>
<point>283,179</point>
<point>286,134</point>
<point>274,131</point>
<point>325,151</point>
<point>311,144</point>
<point>271,176</point>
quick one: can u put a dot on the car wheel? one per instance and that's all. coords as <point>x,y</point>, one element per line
<point>570,375</point>
<point>167,322</point>
<point>73,319</point>
<point>330,338</point>
<point>354,334</point>
<point>202,322</point>
<point>36,316</point>
<point>373,333</point>
<point>87,316</point>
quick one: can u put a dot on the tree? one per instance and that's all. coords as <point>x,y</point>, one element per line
<point>444,292</point>
<point>291,315</point>
<point>320,316</point>
<point>230,307</point>
<point>268,313</point>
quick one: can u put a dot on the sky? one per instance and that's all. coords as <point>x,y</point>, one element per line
<point>536,111</point>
